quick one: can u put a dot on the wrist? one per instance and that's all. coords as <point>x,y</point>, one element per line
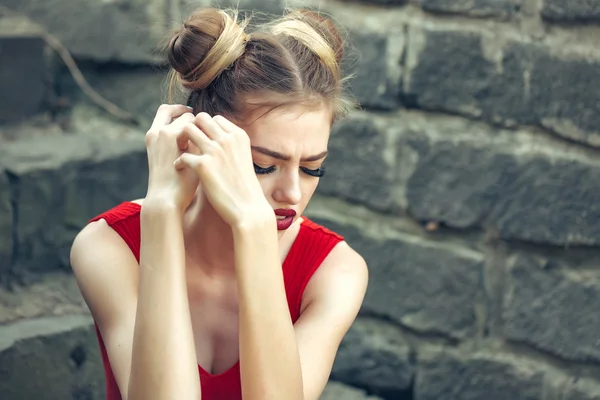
<point>156,207</point>
<point>256,221</point>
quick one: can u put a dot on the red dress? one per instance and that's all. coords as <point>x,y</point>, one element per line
<point>311,246</point>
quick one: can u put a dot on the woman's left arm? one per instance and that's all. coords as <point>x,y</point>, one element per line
<point>277,359</point>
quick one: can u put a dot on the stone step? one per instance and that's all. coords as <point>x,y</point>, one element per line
<point>50,358</point>
<point>52,295</point>
<point>49,190</point>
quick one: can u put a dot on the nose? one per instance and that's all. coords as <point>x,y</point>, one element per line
<point>288,189</point>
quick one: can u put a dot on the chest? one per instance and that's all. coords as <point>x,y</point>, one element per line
<point>214,316</point>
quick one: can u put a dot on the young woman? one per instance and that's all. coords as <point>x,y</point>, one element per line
<point>214,286</point>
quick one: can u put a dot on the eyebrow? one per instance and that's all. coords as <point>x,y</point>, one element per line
<point>283,157</point>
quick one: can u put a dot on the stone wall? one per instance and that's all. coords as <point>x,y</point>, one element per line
<point>468,181</point>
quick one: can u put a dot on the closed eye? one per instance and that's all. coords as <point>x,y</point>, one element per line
<point>319,172</point>
<point>263,171</point>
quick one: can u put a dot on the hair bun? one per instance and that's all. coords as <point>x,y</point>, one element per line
<point>209,41</point>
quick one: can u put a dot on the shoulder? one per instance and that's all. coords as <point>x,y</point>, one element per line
<point>341,278</point>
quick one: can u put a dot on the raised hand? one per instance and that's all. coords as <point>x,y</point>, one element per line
<point>224,168</point>
<point>166,185</point>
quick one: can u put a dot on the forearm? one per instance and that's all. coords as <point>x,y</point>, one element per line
<point>269,360</point>
<point>164,360</point>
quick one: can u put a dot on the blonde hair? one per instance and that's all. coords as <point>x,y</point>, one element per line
<point>296,58</point>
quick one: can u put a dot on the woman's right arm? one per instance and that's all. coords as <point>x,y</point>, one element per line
<point>142,312</point>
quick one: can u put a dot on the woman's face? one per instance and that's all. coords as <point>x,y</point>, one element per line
<point>289,146</point>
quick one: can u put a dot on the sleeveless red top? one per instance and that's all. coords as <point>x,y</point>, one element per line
<point>311,246</point>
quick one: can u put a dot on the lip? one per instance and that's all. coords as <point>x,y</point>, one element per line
<point>285,223</point>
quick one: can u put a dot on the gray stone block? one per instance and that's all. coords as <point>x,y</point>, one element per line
<point>450,376</point>
<point>571,10</point>
<point>25,76</point>
<point>339,391</point>
<point>62,182</point>
<point>139,90</point>
<point>474,8</point>
<point>50,358</point>
<point>128,30</point>
<point>536,196</point>
<point>54,294</point>
<point>426,286</point>
<point>356,167</point>
<point>539,295</point>
<point>374,355</point>
<point>6,225</point>
<point>376,62</point>
<point>471,74</point>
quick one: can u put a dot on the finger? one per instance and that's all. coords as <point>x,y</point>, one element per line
<point>208,125</point>
<point>187,160</point>
<point>191,133</point>
<point>166,113</point>
<point>182,120</point>
<point>225,124</point>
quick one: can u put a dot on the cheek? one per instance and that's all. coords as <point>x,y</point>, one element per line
<point>309,185</point>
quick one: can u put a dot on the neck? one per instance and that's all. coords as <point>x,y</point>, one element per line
<point>208,239</point>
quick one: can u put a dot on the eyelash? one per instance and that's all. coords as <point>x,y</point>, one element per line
<point>319,172</point>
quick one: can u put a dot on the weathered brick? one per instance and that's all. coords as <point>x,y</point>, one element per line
<point>26,77</point>
<point>50,358</point>
<point>273,7</point>
<point>450,376</point>
<point>571,10</point>
<point>61,183</point>
<point>374,355</point>
<point>477,180</point>
<point>6,225</point>
<point>511,83</point>
<point>128,30</point>
<point>138,90</point>
<point>423,285</point>
<point>338,391</point>
<point>475,8</point>
<point>580,389</point>
<point>357,167</point>
<point>539,295</point>
<point>377,74</point>
<point>385,2</point>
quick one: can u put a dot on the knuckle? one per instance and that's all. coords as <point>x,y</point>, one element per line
<point>164,107</point>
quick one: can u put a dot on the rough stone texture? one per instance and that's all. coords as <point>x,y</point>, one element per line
<point>54,295</point>
<point>469,178</point>
<point>475,8</point>
<point>274,7</point>
<point>357,167</point>
<point>139,90</point>
<point>57,358</point>
<point>6,225</point>
<point>538,296</point>
<point>127,30</point>
<point>339,391</point>
<point>377,74</point>
<point>423,285</point>
<point>580,389</point>
<point>385,2</point>
<point>449,376</point>
<point>61,183</point>
<point>374,355</point>
<point>471,74</point>
<point>571,10</point>
<point>26,77</point>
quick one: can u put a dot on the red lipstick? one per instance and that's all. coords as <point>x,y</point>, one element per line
<point>285,217</point>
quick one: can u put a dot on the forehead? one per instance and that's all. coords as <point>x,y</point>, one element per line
<point>292,130</point>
